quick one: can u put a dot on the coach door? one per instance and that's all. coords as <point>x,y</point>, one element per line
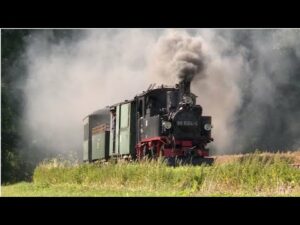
<point>124,130</point>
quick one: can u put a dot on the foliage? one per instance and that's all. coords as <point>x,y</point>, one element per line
<point>18,156</point>
<point>12,70</point>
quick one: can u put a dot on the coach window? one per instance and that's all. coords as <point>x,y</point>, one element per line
<point>140,108</point>
<point>86,131</point>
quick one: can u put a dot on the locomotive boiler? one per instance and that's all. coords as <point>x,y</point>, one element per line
<point>160,122</point>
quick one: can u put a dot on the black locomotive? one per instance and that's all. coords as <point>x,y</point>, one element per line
<point>161,122</point>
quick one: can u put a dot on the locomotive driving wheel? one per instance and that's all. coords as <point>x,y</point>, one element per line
<point>161,150</point>
<point>151,151</point>
<point>145,151</point>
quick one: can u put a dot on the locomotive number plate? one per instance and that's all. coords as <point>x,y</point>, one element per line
<point>187,123</point>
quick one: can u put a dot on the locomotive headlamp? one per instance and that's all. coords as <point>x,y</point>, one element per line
<point>207,127</point>
<point>167,124</point>
<point>188,99</point>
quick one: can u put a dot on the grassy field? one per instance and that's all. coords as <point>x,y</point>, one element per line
<point>257,174</point>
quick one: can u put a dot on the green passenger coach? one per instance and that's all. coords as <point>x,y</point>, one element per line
<point>96,135</point>
<point>122,131</point>
<point>110,132</point>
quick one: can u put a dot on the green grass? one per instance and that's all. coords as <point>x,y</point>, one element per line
<point>248,175</point>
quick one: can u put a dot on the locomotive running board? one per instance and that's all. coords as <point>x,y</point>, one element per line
<point>173,161</point>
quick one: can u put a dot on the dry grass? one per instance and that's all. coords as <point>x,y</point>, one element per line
<point>294,156</point>
<point>256,174</point>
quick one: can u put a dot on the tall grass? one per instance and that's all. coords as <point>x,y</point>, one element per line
<point>254,174</point>
<point>251,174</point>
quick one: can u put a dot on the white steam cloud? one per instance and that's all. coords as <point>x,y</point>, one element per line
<point>69,80</point>
<point>235,75</point>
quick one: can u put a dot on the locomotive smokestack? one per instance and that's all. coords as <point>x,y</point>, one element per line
<point>185,87</point>
<point>184,90</point>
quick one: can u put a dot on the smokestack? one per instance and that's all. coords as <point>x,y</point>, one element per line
<point>184,89</point>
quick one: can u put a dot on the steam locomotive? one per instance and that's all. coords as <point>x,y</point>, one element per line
<point>161,122</point>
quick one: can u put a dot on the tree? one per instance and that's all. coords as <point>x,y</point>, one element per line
<point>12,46</point>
